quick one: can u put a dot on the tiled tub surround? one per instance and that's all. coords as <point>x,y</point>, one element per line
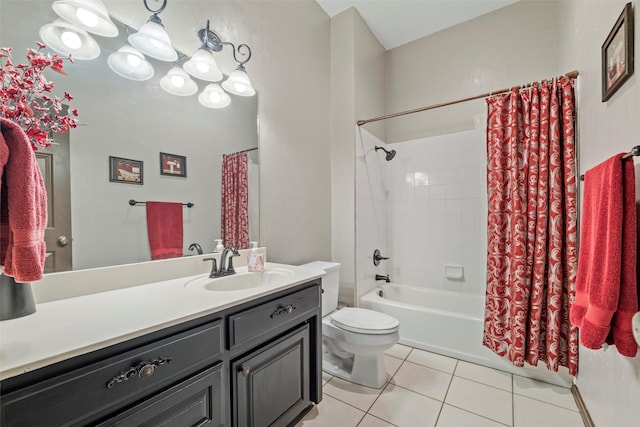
<point>426,389</point>
<point>426,208</point>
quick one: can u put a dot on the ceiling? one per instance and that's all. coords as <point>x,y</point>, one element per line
<point>396,22</point>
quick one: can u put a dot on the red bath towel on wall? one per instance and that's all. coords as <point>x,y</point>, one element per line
<point>23,206</point>
<point>164,226</point>
<point>606,289</point>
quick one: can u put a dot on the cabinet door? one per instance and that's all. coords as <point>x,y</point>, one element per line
<point>271,384</point>
<point>197,401</point>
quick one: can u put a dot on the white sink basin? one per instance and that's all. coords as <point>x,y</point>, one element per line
<point>241,280</point>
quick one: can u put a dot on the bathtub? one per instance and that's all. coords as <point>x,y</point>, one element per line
<point>448,323</point>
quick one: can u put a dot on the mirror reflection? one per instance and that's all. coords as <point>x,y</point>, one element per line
<point>135,121</point>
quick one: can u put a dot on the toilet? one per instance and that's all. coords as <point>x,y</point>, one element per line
<point>353,339</point>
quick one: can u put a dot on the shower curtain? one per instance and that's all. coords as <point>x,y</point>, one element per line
<point>532,225</point>
<point>234,223</point>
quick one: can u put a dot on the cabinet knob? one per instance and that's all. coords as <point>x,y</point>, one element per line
<point>288,309</point>
<point>246,371</point>
<point>146,371</point>
<point>141,370</point>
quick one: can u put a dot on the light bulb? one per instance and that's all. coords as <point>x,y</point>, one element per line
<point>87,17</point>
<point>71,39</point>
<point>240,87</point>
<point>202,67</point>
<point>215,97</point>
<point>177,81</point>
<point>134,60</point>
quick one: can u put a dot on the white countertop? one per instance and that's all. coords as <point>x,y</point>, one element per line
<point>70,327</point>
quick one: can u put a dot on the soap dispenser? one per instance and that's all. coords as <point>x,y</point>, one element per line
<point>219,246</point>
<point>255,262</point>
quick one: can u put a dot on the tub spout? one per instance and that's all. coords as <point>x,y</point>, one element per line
<point>381,277</point>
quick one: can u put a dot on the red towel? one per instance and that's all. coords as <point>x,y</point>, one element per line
<point>23,206</point>
<point>164,226</point>
<point>606,290</point>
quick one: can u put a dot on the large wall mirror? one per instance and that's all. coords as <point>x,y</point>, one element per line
<point>139,120</point>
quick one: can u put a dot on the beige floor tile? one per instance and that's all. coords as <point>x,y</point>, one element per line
<point>423,380</point>
<point>331,412</point>
<point>326,378</point>
<point>371,421</point>
<point>391,365</point>
<point>484,375</point>
<point>403,407</point>
<point>454,417</point>
<point>354,394</point>
<point>481,399</point>
<point>534,413</point>
<point>549,393</point>
<point>432,360</point>
<point>399,351</point>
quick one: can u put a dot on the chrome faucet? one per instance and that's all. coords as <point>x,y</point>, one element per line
<point>229,270</point>
<point>381,277</point>
<point>197,247</point>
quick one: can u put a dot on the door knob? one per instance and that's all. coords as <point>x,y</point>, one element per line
<point>62,241</point>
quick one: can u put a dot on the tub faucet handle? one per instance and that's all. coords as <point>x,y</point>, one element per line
<point>377,257</point>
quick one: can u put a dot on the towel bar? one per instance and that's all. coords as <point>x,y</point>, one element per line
<point>635,151</point>
<point>133,203</point>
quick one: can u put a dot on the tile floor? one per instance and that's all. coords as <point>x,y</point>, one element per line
<point>426,390</point>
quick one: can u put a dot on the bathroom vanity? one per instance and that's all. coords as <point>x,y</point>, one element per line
<point>242,357</point>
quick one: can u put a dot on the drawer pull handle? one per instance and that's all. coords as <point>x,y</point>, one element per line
<point>246,371</point>
<point>283,310</point>
<point>141,370</point>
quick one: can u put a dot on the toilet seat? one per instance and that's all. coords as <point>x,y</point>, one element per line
<point>364,321</point>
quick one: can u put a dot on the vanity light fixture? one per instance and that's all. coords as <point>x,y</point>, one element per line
<point>129,63</point>
<point>152,39</point>
<point>90,15</point>
<point>202,65</point>
<point>67,39</point>
<point>178,82</point>
<point>214,97</point>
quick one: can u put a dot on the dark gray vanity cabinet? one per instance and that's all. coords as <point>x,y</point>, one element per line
<point>255,364</point>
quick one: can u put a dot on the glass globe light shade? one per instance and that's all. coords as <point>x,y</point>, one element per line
<point>214,97</point>
<point>177,82</point>
<point>238,83</point>
<point>67,39</point>
<point>153,40</point>
<point>90,15</point>
<point>203,66</point>
<point>129,63</point>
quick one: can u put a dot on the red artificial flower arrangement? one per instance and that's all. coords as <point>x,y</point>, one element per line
<point>26,99</point>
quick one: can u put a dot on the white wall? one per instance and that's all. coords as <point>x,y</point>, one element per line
<point>511,46</point>
<point>372,189</point>
<point>609,383</point>
<point>357,90</point>
<point>436,206</point>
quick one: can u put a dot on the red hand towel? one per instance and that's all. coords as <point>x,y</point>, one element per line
<point>606,279</point>
<point>164,227</point>
<point>23,206</point>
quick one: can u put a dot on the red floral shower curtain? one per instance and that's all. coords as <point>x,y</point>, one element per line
<point>235,201</point>
<point>532,225</point>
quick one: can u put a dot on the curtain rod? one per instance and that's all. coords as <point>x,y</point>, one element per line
<point>571,74</point>
<point>246,151</point>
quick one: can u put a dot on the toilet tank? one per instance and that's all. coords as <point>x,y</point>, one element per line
<point>330,284</point>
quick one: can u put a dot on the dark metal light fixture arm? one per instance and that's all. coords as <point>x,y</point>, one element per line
<point>212,42</point>
<point>247,54</point>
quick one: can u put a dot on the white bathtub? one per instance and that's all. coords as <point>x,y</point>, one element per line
<point>448,323</point>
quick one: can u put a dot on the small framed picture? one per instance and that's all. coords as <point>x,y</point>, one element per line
<point>126,171</point>
<point>173,164</point>
<point>617,54</point>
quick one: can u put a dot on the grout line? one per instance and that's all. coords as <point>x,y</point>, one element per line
<point>481,383</point>
<point>548,403</point>
<point>444,398</point>
<point>477,415</point>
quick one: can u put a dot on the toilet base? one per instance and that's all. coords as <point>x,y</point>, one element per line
<point>364,369</point>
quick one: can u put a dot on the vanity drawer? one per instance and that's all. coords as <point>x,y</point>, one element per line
<point>86,394</point>
<point>251,324</point>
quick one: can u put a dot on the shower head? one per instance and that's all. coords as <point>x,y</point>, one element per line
<point>390,154</point>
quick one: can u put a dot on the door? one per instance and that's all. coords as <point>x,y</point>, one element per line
<point>54,164</point>
<point>271,385</point>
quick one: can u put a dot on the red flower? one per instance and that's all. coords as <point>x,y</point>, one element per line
<point>23,98</point>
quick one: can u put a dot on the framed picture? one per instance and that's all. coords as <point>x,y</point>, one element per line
<point>126,171</point>
<point>617,54</point>
<point>173,164</point>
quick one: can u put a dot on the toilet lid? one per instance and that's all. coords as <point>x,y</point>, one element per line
<point>364,321</point>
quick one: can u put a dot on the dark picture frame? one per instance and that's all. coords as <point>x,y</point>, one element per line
<point>617,54</point>
<point>126,171</point>
<point>173,165</point>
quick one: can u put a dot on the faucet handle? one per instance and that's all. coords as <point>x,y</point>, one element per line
<point>214,266</point>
